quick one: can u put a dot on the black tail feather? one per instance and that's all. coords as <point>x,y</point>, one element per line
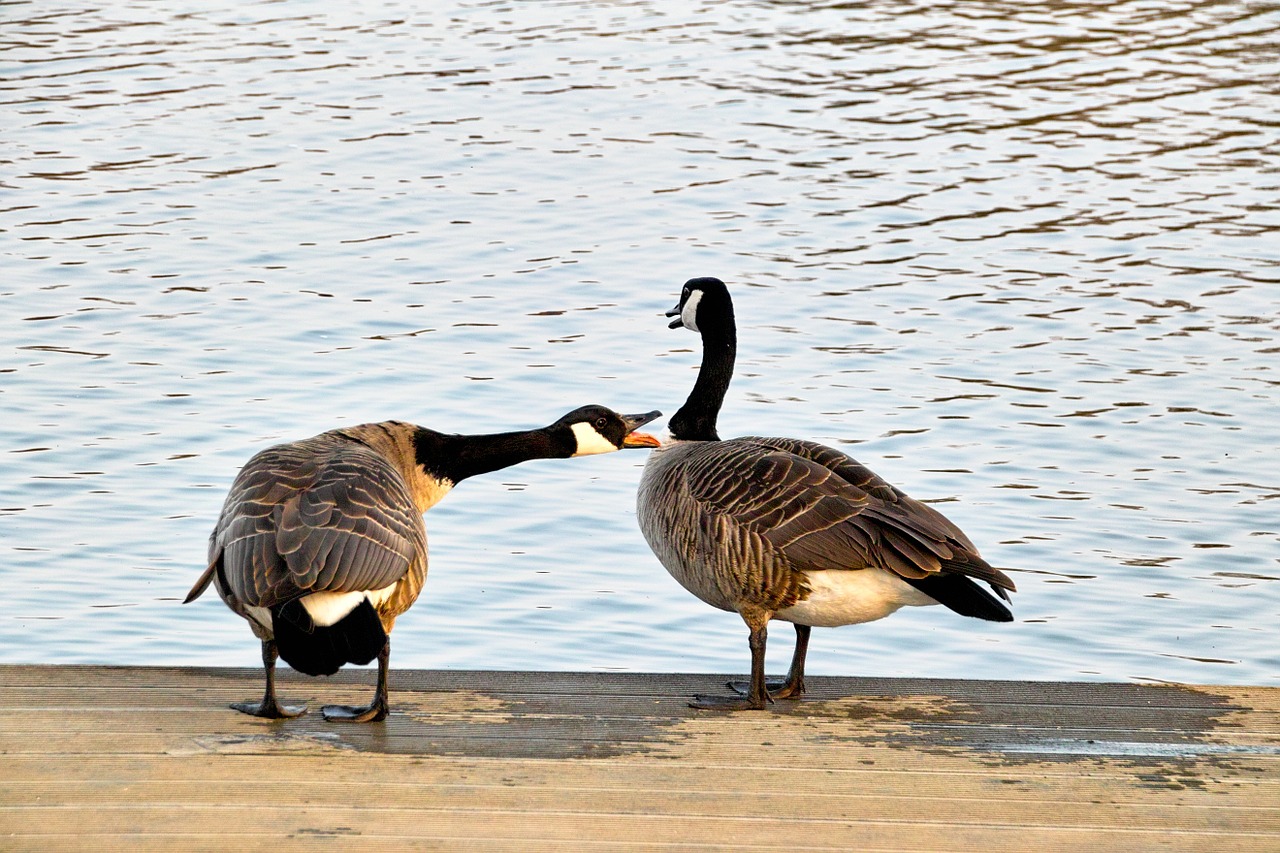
<point>323,649</point>
<point>962,595</point>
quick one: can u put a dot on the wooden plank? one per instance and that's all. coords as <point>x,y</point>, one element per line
<point>910,777</point>
<point>903,806</point>
<point>654,685</point>
<point>150,758</point>
<point>635,819</point>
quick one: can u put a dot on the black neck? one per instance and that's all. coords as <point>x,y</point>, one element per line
<point>696,420</point>
<point>457,457</point>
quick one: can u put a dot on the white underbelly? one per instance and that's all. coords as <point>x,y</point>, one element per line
<point>328,608</point>
<point>325,608</point>
<point>849,597</point>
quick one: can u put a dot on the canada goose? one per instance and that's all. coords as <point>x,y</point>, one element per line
<point>321,543</point>
<point>790,529</point>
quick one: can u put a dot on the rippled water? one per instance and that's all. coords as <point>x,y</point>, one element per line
<point>1021,258</point>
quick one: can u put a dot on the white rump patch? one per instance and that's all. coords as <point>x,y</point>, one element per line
<point>591,442</point>
<point>849,597</point>
<point>689,313</point>
<point>328,608</point>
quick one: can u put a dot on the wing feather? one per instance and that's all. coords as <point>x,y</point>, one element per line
<point>327,513</point>
<point>819,509</point>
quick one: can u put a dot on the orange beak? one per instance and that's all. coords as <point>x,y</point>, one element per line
<point>640,439</point>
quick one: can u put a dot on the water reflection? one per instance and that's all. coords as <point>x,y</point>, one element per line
<point>1017,256</point>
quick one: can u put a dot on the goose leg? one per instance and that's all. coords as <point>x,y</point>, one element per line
<point>793,686</point>
<point>269,707</point>
<point>757,697</point>
<point>375,710</point>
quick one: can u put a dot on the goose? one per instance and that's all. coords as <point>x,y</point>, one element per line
<point>789,529</point>
<point>321,544</point>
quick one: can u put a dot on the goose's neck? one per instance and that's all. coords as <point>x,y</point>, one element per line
<point>696,419</point>
<point>456,457</point>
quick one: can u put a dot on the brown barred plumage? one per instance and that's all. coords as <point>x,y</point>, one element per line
<point>791,529</point>
<point>321,542</point>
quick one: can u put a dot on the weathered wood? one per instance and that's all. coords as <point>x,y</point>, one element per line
<point>107,758</point>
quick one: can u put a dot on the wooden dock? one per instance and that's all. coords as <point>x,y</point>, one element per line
<point>142,759</point>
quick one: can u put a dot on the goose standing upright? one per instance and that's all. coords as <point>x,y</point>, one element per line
<point>783,528</point>
<point>321,542</point>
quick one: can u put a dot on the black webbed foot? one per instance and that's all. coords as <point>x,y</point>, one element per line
<point>270,710</point>
<point>729,703</point>
<point>374,712</point>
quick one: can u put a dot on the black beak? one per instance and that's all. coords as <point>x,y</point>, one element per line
<point>634,422</point>
<point>677,323</point>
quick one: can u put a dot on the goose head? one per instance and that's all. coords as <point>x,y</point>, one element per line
<point>598,429</point>
<point>706,308</point>
<point>701,301</point>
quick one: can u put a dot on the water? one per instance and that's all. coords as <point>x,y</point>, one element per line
<point>1020,258</point>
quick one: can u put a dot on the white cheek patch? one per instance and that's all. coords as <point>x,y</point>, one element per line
<point>590,442</point>
<point>689,314</point>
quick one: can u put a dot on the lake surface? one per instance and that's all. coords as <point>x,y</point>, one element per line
<point>1020,258</point>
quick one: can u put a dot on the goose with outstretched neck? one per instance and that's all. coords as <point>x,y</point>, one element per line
<point>321,542</point>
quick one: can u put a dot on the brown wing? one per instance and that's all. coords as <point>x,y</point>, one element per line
<point>822,510</point>
<point>327,513</point>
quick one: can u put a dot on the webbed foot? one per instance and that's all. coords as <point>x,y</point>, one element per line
<point>270,710</point>
<point>727,703</point>
<point>372,713</point>
<point>778,688</point>
<point>742,688</point>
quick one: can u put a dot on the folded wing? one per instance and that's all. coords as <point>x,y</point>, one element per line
<point>820,510</point>
<point>326,514</point>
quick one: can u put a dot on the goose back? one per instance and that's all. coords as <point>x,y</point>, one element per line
<point>339,512</point>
